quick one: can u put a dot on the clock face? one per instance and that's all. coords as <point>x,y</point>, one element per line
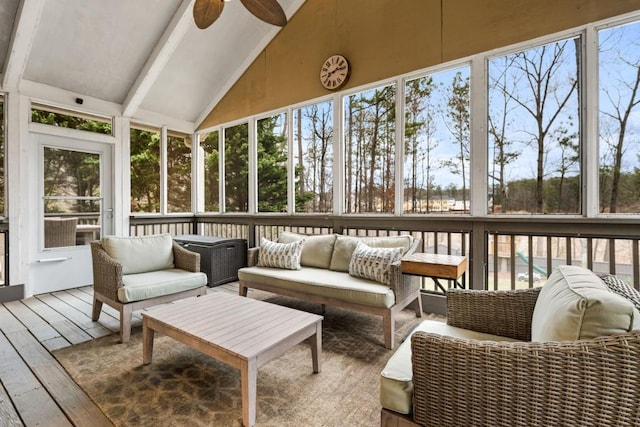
<point>335,72</point>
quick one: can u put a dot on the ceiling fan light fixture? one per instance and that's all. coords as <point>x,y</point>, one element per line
<point>205,12</point>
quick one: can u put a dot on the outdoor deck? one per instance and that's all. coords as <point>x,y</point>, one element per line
<point>34,388</point>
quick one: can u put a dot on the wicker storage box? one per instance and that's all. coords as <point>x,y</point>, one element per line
<point>220,257</point>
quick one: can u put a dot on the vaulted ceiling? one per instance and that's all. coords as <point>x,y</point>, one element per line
<point>145,56</point>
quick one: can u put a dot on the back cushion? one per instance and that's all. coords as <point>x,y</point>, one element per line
<point>574,304</point>
<point>345,245</point>
<point>140,254</point>
<point>316,249</point>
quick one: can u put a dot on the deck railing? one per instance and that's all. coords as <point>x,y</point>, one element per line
<point>503,252</point>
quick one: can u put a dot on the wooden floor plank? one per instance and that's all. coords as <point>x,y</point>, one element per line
<point>36,324</point>
<point>86,308</point>
<point>8,322</point>
<point>70,397</point>
<point>83,321</point>
<point>30,398</point>
<point>8,415</point>
<point>70,331</point>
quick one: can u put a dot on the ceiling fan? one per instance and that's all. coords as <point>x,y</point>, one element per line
<point>205,12</point>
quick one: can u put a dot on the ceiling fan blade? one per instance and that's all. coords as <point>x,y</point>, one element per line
<point>205,12</point>
<point>267,10</point>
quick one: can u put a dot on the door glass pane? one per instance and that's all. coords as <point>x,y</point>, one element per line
<point>72,200</point>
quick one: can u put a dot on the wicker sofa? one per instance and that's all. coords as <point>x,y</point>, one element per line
<point>495,362</point>
<point>323,277</point>
<point>132,273</point>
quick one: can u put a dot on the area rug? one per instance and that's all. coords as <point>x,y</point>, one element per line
<point>184,387</point>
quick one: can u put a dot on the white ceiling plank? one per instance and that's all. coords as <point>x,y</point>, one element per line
<point>180,24</point>
<point>24,30</point>
<point>249,58</point>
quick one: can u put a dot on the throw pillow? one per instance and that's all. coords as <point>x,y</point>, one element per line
<point>373,263</point>
<point>617,285</point>
<point>280,255</point>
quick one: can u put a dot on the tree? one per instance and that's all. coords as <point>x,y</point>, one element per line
<point>145,170</point>
<point>209,147</point>
<point>236,168</point>
<point>459,127</point>
<point>272,167</point>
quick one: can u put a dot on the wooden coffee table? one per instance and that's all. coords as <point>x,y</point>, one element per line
<point>239,331</point>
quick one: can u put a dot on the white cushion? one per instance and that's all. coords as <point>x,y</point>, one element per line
<point>373,263</point>
<point>316,249</point>
<point>574,304</point>
<point>396,379</point>
<point>280,255</point>
<point>143,286</point>
<point>140,254</point>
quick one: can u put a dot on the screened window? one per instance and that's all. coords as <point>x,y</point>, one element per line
<point>437,143</point>
<point>211,160</point>
<point>369,132</point>
<point>619,119</point>
<point>178,172</point>
<point>313,157</point>
<point>60,117</point>
<point>145,170</point>
<point>236,168</point>
<point>272,164</point>
<point>534,130</point>
<point>72,197</point>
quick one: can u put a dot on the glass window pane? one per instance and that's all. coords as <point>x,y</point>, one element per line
<point>236,168</point>
<point>145,170</point>
<point>437,143</point>
<point>313,157</point>
<point>534,130</point>
<point>272,164</point>
<point>60,117</point>
<point>619,120</point>
<point>72,199</point>
<point>178,173</point>
<point>370,151</point>
<point>210,155</point>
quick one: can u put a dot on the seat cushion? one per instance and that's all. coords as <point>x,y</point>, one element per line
<point>396,385</point>
<point>140,254</point>
<point>316,249</point>
<point>574,304</point>
<point>322,282</point>
<point>143,286</point>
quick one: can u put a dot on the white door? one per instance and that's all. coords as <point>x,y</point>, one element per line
<point>74,207</point>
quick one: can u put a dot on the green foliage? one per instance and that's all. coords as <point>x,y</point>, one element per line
<point>71,122</point>
<point>209,147</point>
<point>236,165</point>
<point>272,167</point>
<point>179,174</point>
<point>145,171</point>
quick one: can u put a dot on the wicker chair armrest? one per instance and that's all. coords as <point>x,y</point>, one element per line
<point>185,259</point>
<point>252,256</point>
<point>404,285</point>
<point>572,383</point>
<point>107,273</point>
<point>504,313</point>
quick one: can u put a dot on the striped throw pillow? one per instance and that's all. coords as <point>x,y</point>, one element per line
<point>280,255</point>
<point>373,263</point>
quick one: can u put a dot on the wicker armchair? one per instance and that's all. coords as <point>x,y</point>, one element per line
<point>109,284</point>
<point>460,382</point>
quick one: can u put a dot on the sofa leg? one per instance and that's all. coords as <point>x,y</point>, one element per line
<point>388,324</point>
<point>97,309</point>
<point>126,313</point>
<point>417,306</point>
<point>242,289</point>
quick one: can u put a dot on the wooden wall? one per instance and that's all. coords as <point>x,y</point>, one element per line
<point>385,38</point>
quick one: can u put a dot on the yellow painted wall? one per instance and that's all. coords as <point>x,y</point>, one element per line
<point>385,38</point>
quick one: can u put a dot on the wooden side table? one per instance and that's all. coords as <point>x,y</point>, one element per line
<point>436,267</point>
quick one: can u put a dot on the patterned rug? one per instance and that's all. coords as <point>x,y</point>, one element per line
<point>184,387</point>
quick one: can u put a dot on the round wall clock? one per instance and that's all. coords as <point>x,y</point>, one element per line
<point>335,72</point>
